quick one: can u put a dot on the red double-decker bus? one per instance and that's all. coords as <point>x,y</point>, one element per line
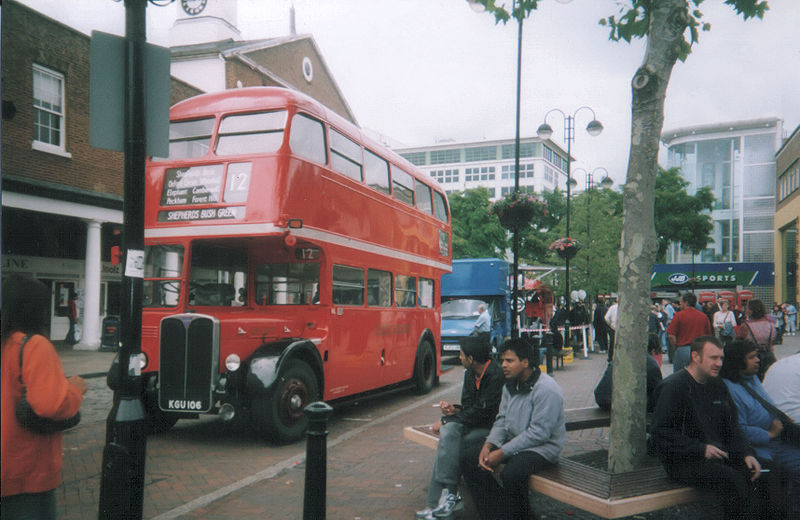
<point>288,259</point>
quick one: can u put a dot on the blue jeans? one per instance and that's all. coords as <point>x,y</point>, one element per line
<point>29,506</point>
<point>662,337</point>
<point>446,472</point>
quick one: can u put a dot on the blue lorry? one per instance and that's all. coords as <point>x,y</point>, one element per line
<point>474,281</point>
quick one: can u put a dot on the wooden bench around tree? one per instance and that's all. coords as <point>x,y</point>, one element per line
<point>583,481</point>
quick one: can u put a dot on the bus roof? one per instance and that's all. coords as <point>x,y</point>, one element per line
<point>255,98</point>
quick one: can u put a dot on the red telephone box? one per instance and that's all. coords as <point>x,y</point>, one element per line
<point>706,296</point>
<point>730,296</point>
<point>743,297</point>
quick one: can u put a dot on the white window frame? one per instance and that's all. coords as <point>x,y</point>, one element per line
<point>61,148</point>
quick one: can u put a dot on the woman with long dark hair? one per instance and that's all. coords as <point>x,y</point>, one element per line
<point>762,429</point>
<point>760,330</point>
<point>31,462</point>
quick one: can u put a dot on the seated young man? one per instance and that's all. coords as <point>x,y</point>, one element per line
<point>527,436</point>
<point>463,424</point>
<point>695,432</point>
<point>760,426</point>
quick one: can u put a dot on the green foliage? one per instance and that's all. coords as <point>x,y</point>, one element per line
<point>633,17</point>
<point>520,12</point>
<point>680,217</point>
<point>476,234</point>
<point>535,240</point>
<point>633,20</point>
<point>596,221</point>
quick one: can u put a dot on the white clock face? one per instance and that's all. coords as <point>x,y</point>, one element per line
<point>193,7</point>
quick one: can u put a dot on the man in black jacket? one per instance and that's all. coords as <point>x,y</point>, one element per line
<point>695,432</point>
<point>463,425</point>
<point>600,327</point>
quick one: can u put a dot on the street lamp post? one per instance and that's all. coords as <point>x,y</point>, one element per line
<point>605,182</point>
<point>545,131</point>
<point>477,6</point>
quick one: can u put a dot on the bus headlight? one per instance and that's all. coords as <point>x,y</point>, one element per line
<point>232,363</point>
<point>136,363</point>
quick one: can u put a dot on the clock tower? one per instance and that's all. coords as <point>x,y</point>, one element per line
<point>200,21</point>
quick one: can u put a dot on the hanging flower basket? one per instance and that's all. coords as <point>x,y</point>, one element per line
<point>565,247</point>
<point>517,210</point>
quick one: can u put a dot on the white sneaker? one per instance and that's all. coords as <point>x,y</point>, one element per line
<point>424,514</point>
<point>447,505</point>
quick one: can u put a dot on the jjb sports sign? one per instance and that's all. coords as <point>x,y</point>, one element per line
<point>711,275</point>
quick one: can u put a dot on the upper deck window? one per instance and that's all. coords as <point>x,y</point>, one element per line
<point>307,139</point>
<point>377,170</point>
<point>189,139</point>
<point>423,194</point>
<point>251,133</point>
<point>345,155</point>
<point>402,186</point>
<point>439,206</point>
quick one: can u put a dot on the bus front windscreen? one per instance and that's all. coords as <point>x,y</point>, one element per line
<point>162,275</point>
<point>189,139</point>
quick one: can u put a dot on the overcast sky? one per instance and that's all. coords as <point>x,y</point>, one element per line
<point>422,71</point>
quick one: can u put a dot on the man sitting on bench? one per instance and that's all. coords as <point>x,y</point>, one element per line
<point>527,436</point>
<point>463,425</point>
<point>696,434</point>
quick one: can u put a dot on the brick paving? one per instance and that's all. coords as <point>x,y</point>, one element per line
<point>375,474</point>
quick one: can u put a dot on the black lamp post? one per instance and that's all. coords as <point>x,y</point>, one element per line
<point>605,182</point>
<point>545,131</point>
<point>477,6</point>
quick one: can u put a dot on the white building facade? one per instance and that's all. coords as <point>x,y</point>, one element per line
<point>737,160</point>
<point>490,164</point>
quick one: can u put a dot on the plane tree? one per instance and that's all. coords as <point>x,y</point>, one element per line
<point>670,28</point>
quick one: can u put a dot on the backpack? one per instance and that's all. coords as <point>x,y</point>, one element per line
<point>728,330</point>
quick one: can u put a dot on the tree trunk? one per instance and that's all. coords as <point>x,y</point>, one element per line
<point>668,21</point>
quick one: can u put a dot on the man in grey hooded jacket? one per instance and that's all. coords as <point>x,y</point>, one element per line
<point>527,436</point>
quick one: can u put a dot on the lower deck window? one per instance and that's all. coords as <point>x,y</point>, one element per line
<point>348,285</point>
<point>425,293</point>
<point>162,275</point>
<point>287,284</point>
<point>218,275</point>
<point>405,290</point>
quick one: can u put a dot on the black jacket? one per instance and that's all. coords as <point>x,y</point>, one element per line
<point>602,392</point>
<point>599,320</point>
<point>479,405</point>
<point>689,415</point>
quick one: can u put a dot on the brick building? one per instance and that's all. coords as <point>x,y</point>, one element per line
<point>61,197</point>
<point>787,220</point>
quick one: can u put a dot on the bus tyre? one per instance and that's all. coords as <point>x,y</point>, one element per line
<point>278,414</point>
<point>159,421</point>
<point>424,368</point>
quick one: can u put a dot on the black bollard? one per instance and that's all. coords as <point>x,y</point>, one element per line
<point>316,461</point>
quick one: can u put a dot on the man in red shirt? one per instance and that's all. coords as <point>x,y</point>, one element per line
<point>687,324</point>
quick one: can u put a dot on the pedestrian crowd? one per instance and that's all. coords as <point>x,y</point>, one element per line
<point>726,420</point>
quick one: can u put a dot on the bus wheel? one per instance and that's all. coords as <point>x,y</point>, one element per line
<point>158,421</point>
<point>278,415</point>
<point>424,368</point>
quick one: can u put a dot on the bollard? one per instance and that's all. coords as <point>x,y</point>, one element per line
<point>547,342</point>
<point>316,461</point>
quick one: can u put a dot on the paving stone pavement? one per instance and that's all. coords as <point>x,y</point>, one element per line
<point>375,474</point>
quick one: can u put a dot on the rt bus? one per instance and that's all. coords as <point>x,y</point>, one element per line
<point>288,259</point>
